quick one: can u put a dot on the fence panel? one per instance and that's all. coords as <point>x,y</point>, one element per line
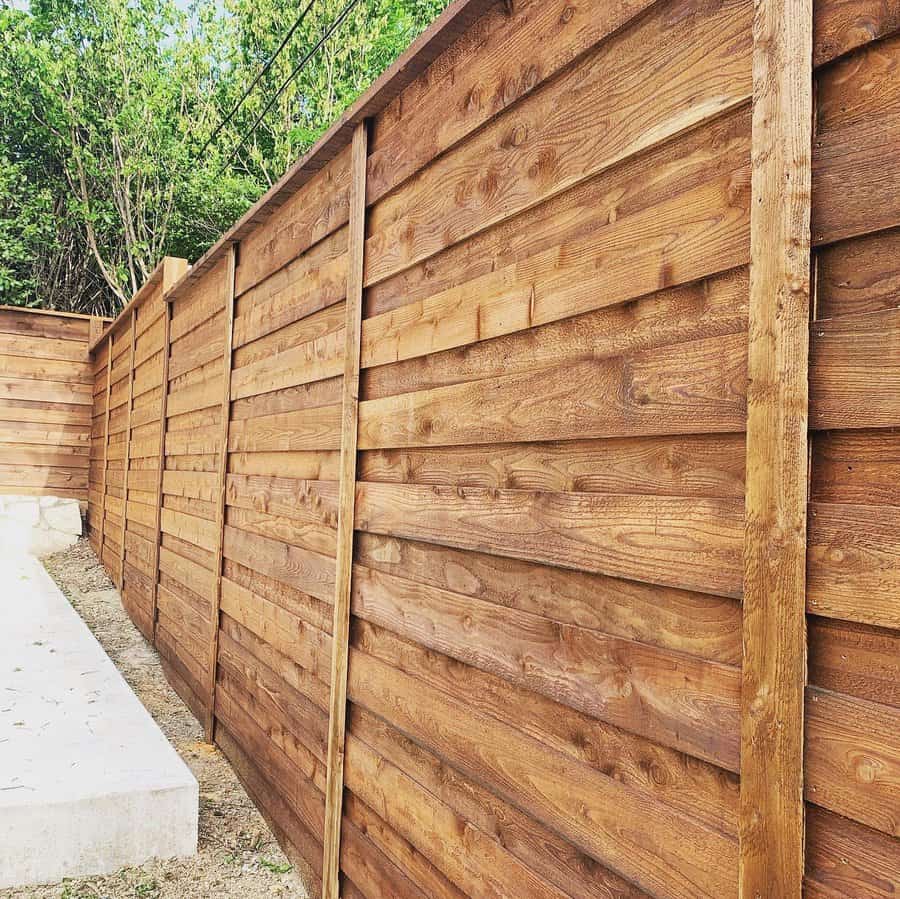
<point>556,597</point>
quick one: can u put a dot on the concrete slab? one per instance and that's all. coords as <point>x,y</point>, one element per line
<point>39,524</point>
<point>88,782</point>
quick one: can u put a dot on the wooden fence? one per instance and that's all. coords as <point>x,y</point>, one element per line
<point>45,402</point>
<point>480,487</point>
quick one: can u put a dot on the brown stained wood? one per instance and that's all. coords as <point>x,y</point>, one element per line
<point>854,371</point>
<point>398,850</point>
<point>692,465</point>
<point>712,307</point>
<point>289,399</point>
<point>856,467</point>
<point>848,859</point>
<point>854,563</point>
<point>774,629</point>
<point>609,206</point>
<point>303,569</point>
<point>604,818</point>
<point>311,429</point>
<point>346,516</point>
<point>509,53</point>
<point>125,464</point>
<point>694,234</point>
<point>310,284</point>
<point>545,852</point>
<point>305,329</point>
<point>469,857</point>
<point>859,275</point>
<point>314,536</point>
<point>221,474</point>
<point>694,623</point>
<point>687,543</point>
<point>855,659</point>
<point>855,160</point>
<point>515,161</point>
<point>302,605</point>
<point>315,360</point>
<point>318,208</point>
<point>672,699</point>
<point>307,466</point>
<point>698,387</point>
<point>309,501</point>
<point>851,761</point>
<point>841,26</point>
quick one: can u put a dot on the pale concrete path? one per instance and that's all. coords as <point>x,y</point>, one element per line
<point>88,782</point>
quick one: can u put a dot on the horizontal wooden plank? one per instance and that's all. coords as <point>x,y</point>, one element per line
<point>522,158</point>
<point>851,763</point>
<point>703,309</point>
<point>687,543</point>
<point>840,26</point>
<point>45,391</point>
<point>855,659</point>
<point>700,387</point>
<point>692,465</point>
<point>304,500</point>
<point>859,275</point>
<point>604,818</point>
<point>308,571</point>
<point>40,347</point>
<point>854,375</point>
<point>853,570</point>
<point>857,467</point>
<point>670,698</point>
<point>310,429</point>
<point>695,623</point>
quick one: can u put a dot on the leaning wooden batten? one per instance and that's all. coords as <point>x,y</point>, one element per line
<point>347,501</point>
<point>127,460</point>
<point>173,269</point>
<point>102,526</point>
<point>222,483</point>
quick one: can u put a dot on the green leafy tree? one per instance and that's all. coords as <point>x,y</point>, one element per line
<point>106,107</point>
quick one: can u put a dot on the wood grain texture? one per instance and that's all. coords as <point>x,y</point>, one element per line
<point>774,628</point>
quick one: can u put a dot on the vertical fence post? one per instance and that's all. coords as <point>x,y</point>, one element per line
<point>774,621</point>
<point>101,535</point>
<point>173,269</point>
<point>209,724</point>
<point>334,791</point>
<point>127,454</point>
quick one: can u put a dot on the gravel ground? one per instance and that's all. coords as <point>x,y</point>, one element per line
<point>238,855</point>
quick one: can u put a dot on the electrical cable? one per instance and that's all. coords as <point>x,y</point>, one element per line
<point>338,20</point>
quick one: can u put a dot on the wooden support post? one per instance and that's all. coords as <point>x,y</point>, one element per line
<point>105,449</point>
<point>95,329</point>
<point>774,628</point>
<point>125,461</point>
<point>334,793</point>
<point>209,724</point>
<point>173,269</point>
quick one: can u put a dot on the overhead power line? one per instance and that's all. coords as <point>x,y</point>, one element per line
<point>335,24</point>
<point>268,65</point>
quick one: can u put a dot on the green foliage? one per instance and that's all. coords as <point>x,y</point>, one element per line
<point>105,106</point>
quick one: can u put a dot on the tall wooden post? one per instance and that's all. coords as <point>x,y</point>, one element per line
<point>334,792</point>
<point>774,628</point>
<point>222,471</point>
<point>101,535</point>
<point>173,269</point>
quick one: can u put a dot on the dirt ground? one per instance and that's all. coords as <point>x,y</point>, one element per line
<point>238,855</point>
